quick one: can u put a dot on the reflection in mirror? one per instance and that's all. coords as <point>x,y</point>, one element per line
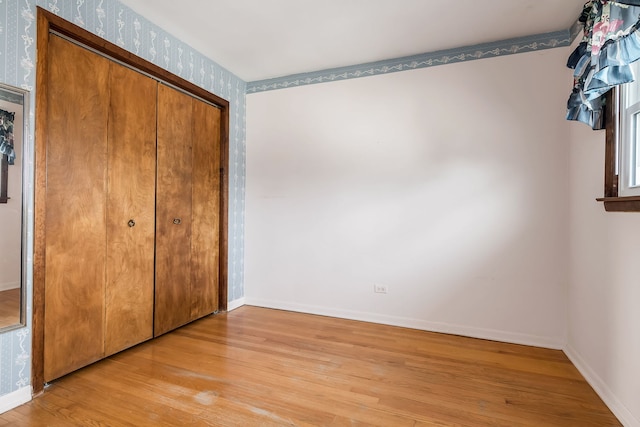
<point>12,207</point>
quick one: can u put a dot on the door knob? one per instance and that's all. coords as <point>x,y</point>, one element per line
<point>177,221</point>
<point>131,223</point>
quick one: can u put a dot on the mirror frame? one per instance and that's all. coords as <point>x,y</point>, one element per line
<point>26,152</point>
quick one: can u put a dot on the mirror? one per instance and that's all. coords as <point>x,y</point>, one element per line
<point>13,132</point>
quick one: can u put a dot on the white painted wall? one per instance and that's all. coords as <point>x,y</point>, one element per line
<point>446,184</point>
<point>11,212</point>
<point>604,292</point>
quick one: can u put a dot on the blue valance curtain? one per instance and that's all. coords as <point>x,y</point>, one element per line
<point>610,43</point>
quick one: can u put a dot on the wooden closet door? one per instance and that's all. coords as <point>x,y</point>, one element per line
<point>205,234</point>
<point>130,209</point>
<point>75,255</point>
<point>173,210</point>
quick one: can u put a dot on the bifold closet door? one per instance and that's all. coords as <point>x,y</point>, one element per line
<point>75,220</point>
<point>187,210</point>
<point>130,209</point>
<point>100,208</point>
<point>173,210</point>
<point>205,235</point>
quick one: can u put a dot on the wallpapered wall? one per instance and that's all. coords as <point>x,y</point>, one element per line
<point>120,25</point>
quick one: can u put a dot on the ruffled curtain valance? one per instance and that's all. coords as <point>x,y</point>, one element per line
<point>610,43</point>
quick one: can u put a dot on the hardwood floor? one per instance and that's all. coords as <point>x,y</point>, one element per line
<point>9,307</point>
<point>261,367</point>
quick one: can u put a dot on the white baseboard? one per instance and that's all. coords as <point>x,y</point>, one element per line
<point>619,410</point>
<point>468,331</point>
<point>15,399</point>
<point>10,285</point>
<point>232,305</point>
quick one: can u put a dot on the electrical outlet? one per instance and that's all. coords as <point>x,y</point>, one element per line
<point>380,289</point>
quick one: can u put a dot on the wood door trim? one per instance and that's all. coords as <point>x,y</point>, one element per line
<point>48,22</point>
<point>224,210</point>
<point>73,32</point>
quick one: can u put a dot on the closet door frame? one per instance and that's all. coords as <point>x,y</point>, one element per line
<point>47,23</point>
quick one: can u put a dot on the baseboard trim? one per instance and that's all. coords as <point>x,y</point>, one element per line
<point>9,285</point>
<point>15,399</point>
<point>609,398</point>
<point>232,305</point>
<point>468,331</point>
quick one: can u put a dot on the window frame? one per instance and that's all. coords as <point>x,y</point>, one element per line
<point>612,200</point>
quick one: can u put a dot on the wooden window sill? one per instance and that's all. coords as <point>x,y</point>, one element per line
<point>621,204</point>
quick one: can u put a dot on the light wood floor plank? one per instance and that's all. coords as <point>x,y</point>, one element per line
<point>9,307</point>
<point>261,367</point>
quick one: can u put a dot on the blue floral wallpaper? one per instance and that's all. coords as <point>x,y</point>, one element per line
<point>120,25</point>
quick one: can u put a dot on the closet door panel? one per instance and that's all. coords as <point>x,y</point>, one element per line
<point>173,210</point>
<point>130,209</point>
<point>78,103</point>
<point>206,210</point>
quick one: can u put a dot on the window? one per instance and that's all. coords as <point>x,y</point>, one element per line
<point>622,168</point>
<point>629,139</point>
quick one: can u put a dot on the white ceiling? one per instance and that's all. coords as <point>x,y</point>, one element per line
<point>260,39</point>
